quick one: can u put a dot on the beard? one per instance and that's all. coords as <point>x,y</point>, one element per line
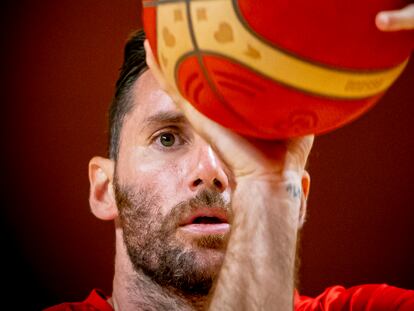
<point>153,247</point>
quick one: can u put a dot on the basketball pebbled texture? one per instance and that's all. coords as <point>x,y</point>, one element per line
<point>275,69</point>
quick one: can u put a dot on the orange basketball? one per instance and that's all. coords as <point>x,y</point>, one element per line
<point>277,68</point>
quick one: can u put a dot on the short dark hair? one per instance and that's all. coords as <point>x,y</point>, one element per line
<point>132,68</point>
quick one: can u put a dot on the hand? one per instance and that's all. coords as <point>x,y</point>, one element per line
<point>402,19</point>
<point>247,158</point>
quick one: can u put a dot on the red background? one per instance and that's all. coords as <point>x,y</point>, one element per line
<point>61,60</point>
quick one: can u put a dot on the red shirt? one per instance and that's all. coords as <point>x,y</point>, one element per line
<point>358,298</point>
<point>96,301</point>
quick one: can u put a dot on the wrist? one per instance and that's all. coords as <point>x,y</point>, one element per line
<point>277,186</point>
<point>276,201</point>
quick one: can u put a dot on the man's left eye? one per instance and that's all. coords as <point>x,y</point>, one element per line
<point>167,139</point>
<point>170,139</point>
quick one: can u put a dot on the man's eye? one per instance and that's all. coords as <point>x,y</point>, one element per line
<point>167,139</point>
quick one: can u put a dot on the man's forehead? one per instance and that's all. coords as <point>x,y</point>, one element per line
<point>151,104</point>
<point>149,98</point>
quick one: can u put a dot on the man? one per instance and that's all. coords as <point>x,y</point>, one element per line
<point>205,219</point>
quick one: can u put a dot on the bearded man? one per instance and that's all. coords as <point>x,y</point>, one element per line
<point>204,218</point>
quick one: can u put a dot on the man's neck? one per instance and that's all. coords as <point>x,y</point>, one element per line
<point>134,290</point>
<point>138,292</point>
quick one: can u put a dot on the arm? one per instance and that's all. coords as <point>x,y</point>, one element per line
<point>258,269</point>
<point>268,202</point>
<point>257,273</point>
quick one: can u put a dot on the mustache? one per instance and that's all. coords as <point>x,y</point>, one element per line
<point>204,199</point>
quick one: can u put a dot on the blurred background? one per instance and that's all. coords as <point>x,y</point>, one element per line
<point>60,61</point>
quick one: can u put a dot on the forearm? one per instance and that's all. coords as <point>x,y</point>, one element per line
<point>258,270</point>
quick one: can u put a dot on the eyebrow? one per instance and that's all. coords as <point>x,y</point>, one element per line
<point>164,117</point>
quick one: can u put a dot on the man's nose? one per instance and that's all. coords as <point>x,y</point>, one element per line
<point>208,171</point>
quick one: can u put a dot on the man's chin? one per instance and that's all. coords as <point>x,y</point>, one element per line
<point>208,249</point>
<point>209,261</point>
<point>205,237</point>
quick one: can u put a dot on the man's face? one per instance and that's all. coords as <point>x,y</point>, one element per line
<point>172,193</point>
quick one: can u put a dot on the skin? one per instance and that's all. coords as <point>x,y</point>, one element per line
<point>265,185</point>
<point>257,193</point>
<point>145,164</point>
<point>396,20</point>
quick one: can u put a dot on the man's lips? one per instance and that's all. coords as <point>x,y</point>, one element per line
<point>209,220</point>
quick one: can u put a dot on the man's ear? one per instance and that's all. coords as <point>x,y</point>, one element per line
<point>305,194</point>
<point>101,195</point>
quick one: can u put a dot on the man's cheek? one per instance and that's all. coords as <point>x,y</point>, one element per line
<point>146,160</point>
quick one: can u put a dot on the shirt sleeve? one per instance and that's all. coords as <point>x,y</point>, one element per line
<point>372,297</point>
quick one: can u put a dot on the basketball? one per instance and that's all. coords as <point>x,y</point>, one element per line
<point>274,69</point>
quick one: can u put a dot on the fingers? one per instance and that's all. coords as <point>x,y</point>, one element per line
<point>299,148</point>
<point>153,65</point>
<point>396,20</point>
